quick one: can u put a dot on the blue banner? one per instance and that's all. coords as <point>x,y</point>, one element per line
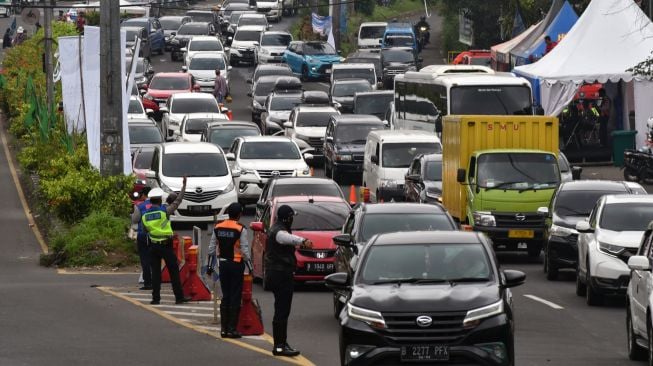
<point>321,24</point>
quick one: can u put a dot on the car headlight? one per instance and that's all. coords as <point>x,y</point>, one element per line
<point>474,317</point>
<point>369,317</point>
<point>412,68</point>
<point>305,171</point>
<point>342,59</point>
<point>256,104</point>
<point>343,157</point>
<point>174,41</point>
<point>247,171</point>
<point>229,188</point>
<point>388,183</point>
<point>611,249</point>
<point>482,218</point>
<point>562,231</point>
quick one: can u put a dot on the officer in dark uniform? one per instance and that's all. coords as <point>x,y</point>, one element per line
<point>280,265</point>
<point>230,238</point>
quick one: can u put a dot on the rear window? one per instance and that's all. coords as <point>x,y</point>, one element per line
<point>170,83</point>
<point>224,137</point>
<point>276,40</point>
<point>205,46</point>
<point>247,35</point>
<point>144,135</point>
<point>298,189</point>
<point>194,106</point>
<point>390,222</point>
<point>366,74</point>
<point>193,29</point>
<point>375,31</point>
<point>314,119</point>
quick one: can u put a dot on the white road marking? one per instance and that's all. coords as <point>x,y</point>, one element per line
<point>148,294</point>
<point>545,302</point>
<point>189,314</point>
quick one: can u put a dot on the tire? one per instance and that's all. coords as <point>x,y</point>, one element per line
<point>592,298</point>
<point>337,306</point>
<point>580,286</point>
<point>305,73</point>
<point>630,175</point>
<point>635,351</point>
<point>551,268</point>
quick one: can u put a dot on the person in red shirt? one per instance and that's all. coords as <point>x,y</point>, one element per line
<point>549,44</point>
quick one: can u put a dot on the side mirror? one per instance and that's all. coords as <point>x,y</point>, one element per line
<point>184,68</point>
<point>256,226</point>
<point>308,156</point>
<point>235,173</point>
<point>329,139</point>
<point>229,69</point>
<point>226,49</point>
<point>584,227</point>
<point>514,278</point>
<point>639,263</point>
<point>183,49</point>
<point>576,171</point>
<point>150,174</point>
<point>337,105</point>
<point>374,159</point>
<point>230,38</point>
<point>337,281</point>
<point>287,124</point>
<point>386,123</point>
<point>149,112</point>
<point>460,175</point>
<point>343,240</point>
<point>173,34</point>
<point>230,156</point>
<point>543,211</point>
<point>163,109</point>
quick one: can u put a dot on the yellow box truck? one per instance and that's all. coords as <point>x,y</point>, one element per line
<point>497,171</point>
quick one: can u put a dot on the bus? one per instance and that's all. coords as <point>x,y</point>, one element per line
<point>423,98</point>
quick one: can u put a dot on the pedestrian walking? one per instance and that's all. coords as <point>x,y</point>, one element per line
<point>230,239</point>
<point>20,37</point>
<point>280,265</point>
<point>6,40</point>
<point>156,221</point>
<point>220,89</point>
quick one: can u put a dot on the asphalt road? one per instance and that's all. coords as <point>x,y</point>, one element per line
<point>47,318</point>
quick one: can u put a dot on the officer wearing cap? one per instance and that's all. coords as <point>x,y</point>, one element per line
<point>280,265</point>
<point>156,223</point>
<point>230,239</point>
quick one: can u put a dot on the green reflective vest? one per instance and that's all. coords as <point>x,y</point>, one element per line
<point>157,224</point>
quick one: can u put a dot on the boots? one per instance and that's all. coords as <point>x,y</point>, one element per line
<point>224,321</point>
<point>280,334</point>
<point>234,313</point>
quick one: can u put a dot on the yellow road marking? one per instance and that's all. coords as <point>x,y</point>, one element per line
<point>21,195</point>
<point>299,360</point>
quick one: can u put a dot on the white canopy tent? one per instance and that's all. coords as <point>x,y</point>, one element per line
<point>610,37</point>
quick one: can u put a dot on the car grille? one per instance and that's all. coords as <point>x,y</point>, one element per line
<point>276,53</point>
<point>316,142</point>
<point>204,80</point>
<point>282,173</point>
<point>160,100</point>
<point>359,157</point>
<point>395,71</point>
<point>402,328</point>
<point>201,197</point>
<point>510,220</point>
<point>320,254</point>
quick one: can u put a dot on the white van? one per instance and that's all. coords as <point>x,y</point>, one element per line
<point>354,71</point>
<point>388,155</point>
<point>370,34</point>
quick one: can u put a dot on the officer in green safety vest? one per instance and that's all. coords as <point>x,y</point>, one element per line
<point>156,222</point>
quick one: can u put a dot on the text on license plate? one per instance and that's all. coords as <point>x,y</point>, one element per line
<point>521,234</point>
<point>425,353</point>
<point>199,208</point>
<point>319,267</point>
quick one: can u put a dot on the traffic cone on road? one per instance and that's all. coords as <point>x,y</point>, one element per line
<point>183,265</point>
<point>250,321</point>
<point>352,195</point>
<point>193,286</point>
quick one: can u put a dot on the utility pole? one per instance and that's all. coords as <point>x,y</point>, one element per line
<point>47,57</point>
<point>111,90</point>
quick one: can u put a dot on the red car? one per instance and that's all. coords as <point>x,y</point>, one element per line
<point>473,57</point>
<point>164,84</point>
<point>319,219</point>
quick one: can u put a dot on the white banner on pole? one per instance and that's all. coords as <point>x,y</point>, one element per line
<point>91,72</point>
<point>71,81</point>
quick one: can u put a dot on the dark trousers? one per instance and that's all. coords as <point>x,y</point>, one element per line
<point>231,282</point>
<point>603,130</point>
<point>282,284</point>
<point>164,251</point>
<point>144,255</point>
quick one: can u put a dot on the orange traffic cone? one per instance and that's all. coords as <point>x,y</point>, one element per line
<point>352,195</point>
<point>192,285</point>
<point>250,319</point>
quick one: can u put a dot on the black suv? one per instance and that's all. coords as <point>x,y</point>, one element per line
<point>344,143</point>
<point>396,61</point>
<point>571,203</point>
<point>427,297</point>
<point>424,179</point>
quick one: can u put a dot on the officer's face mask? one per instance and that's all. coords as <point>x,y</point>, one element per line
<point>288,222</point>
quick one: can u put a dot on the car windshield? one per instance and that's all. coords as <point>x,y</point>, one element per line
<point>263,88</point>
<point>433,171</point>
<point>170,83</point>
<point>224,137</point>
<point>483,61</point>
<point>207,63</point>
<point>400,155</point>
<point>170,23</point>
<point>491,100</point>
<point>381,223</point>
<point>366,74</point>
<point>144,159</point>
<point>313,119</point>
<point>319,216</point>
<point>318,49</point>
<point>194,165</point>
<point>355,134</point>
<point>399,40</point>
<point>266,150</point>
<point>284,103</point>
<point>280,71</point>
<point>197,125</point>
<point>276,39</point>
<point>144,135</point>
<point>132,35</point>
<point>203,105</point>
<point>427,262</point>
<point>348,89</point>
<point>252,21</point>
<point>631,216</point>
<point>205,46</point>
<point>135,107</point>
<point>247,35</point>
<point>578,203</point>
<point>190,29</point>
<point>299,189</point>
<point>372,31</point>
<point>398,56</point>
<point>201,17</point>
<point>375,104</point>
<point>517,171</point>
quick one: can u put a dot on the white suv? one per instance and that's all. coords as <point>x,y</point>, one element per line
<point>210,186</point>
<point>606,240</point>
<point>203,65</point>
<point>180,104</point>
<point>308,123</point>
<point>639,328</point>
<point>244,43</point>
<point>272,46</point>
<point>255,159</point>
<point>194,124</point>
<point>202,44</point>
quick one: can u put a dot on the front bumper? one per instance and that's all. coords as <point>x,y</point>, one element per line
<point>319,70</point>
<point>353,167</point>
<point>241,55</point>
<point>266,58</point>
<point>611,286</point>
<point>563,251</point>
<point>609,273</point>
<point>218,208</point>
<point>206,86</point>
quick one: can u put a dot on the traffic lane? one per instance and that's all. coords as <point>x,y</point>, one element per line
<point>576,334</point>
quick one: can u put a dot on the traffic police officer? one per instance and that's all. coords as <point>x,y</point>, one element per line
<point>230,238</point>
<point>138,232</point>
<point>280,265</point>
<point>156,221</point>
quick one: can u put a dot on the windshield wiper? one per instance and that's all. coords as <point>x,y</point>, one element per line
<point>539,186</point>
<point>397,281</point>
<point>356,141</point>
<point>572,210</point>
<point>454,281</point>
<point>501,185</point>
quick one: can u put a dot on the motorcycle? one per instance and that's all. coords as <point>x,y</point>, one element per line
<point>638,164</point>
<point>423,37</point>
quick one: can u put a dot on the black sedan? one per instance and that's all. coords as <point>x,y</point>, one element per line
<point>424,179</point>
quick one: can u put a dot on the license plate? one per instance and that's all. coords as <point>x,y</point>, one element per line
<point>521,234</point>
<point>162,104</point>
<point>328,71</point>
<point>320,267</point>
<point>199,208</point>
<point>425,353</point>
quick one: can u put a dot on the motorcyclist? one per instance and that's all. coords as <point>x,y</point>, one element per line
<point>418,29</point>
